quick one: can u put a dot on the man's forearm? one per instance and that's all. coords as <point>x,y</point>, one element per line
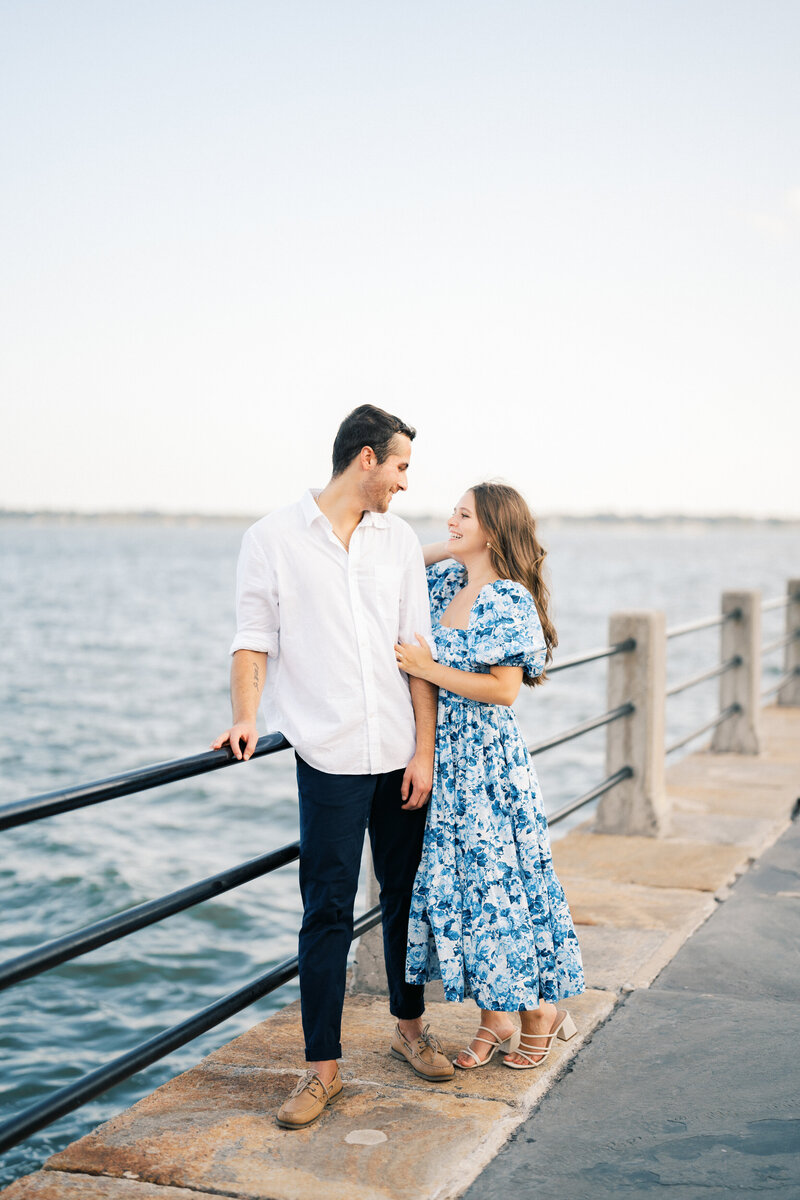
<point>248,674</point>
<point>424,697</point>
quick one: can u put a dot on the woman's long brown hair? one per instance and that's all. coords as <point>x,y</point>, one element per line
<point>515,552</point>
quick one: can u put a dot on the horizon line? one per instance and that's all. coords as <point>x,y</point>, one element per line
<point>609,516</point>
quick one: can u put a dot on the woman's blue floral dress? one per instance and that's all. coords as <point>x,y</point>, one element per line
<point>488,914</point>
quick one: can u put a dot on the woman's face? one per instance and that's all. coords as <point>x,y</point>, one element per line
<point>466,536</point>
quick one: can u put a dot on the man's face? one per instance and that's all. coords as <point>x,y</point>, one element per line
<point>389,477</point>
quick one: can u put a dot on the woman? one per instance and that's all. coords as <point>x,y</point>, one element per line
<point>488,914</point>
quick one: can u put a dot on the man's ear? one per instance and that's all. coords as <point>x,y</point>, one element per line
<point>369,458</point>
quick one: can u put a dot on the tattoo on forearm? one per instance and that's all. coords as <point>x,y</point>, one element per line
<point>255,676</point>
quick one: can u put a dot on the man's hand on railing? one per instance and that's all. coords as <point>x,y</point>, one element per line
<point>243,731</point>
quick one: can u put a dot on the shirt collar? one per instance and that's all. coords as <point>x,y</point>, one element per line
<point>312,511</point>
<point>309,507</point>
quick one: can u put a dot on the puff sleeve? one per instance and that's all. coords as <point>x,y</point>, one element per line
<point>505,630</point>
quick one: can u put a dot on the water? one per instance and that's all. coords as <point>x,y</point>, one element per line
<point>114,654</point>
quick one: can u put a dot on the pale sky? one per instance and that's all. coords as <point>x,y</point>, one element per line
<point>562,239</point>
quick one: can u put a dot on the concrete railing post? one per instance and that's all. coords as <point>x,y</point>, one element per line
<point>369,971</point>
<point>742,637</point>
<point>637,805</point>
<point>790,692</point>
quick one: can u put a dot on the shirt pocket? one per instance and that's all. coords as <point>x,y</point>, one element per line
<point>388,584</point>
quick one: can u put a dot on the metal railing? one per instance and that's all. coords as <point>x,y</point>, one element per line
<point>722,668</point>
<point>780,643</point>
<point>705,623</point>
<point>66,1099</point>
<point>730,711</point>
<point>141,779</point>
<point>82,941</point>
<point>730,664</point>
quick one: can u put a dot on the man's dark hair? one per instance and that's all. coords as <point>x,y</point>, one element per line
<point>367,426</point>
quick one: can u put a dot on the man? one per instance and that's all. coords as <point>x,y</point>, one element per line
<point>325,589</point>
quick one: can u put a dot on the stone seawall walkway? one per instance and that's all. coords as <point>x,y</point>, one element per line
<point>211,1132</point>
<point>693,1085</point>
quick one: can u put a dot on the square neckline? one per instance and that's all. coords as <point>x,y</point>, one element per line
<point>465,628</point>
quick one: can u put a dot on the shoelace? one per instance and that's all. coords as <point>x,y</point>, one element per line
<point>430,1039</point>
<point>306,1080</point>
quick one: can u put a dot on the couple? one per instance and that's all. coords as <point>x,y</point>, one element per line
<point>333,591</point>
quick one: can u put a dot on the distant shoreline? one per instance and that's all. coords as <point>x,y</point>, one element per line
<point>607,519</point>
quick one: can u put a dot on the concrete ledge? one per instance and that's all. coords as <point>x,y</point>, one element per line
<point>213,1127</point>
<point>654,862</point>
<point>59,1185</point>
<point>594,901</point>
<point>760,771</point>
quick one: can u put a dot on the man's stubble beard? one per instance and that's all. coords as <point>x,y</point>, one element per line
<point>377,498</point>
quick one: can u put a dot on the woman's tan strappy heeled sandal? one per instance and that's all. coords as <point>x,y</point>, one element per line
<point>508,1046</point>
<point>564,1029</point>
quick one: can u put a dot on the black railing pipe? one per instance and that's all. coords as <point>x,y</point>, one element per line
<point>138,780</point>
<point>780,642</point>
<point>73,945</point>
<point>728,665</point>
<point>600,790</point>
<point>74,1095</point>
<point>592,655</point>
<point>707,623</point>
<point>779,602</point>
<point>730,711</point>
<point>781,684</point>
<point>614,714</point>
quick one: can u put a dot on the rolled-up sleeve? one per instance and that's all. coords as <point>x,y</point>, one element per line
<point>415,609</point>
<point>257,607</point>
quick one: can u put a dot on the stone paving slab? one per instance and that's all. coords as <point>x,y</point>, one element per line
<point>701,1068</point>
<point>214,1129</point>
<point>724,829</point>
<point>779,733</point>
<point>757,771</point>
<point>183,1134</point>
<point>60,1185</point>
<point>594,901</point>
<point>628,932</point>
<point>654,862</point>
<point>772,804</point>
<point>624,959</point>
<point>277,1043</point>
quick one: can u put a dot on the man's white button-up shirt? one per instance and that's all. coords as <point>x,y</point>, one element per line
<point>328,619</point>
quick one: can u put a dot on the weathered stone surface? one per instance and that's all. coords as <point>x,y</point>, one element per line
<point>61,1185</point>
<point>623,959</point>
<point>631,906</point>
<point>649,861</point>
<point>755,834</point>
<point>366,1028</point>
<point>748,803</point>
<point>779,730</point>
<point>735,770</point>
<point>214,1129</point>
<point>682,1093</point>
